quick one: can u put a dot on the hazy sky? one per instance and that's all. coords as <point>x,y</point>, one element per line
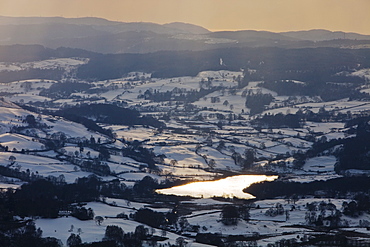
<point>271,15</point>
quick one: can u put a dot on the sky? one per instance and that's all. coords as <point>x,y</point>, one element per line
<point>215,15</point>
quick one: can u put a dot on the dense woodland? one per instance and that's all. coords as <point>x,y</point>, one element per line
<point>332,188</point>
<point>355,151</point>
<point>63,90</point>
<point>107,113</point>
<point>328,91</point>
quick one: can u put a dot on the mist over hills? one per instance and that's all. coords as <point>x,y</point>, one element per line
<point>175,49</point>
<point>104,36</point>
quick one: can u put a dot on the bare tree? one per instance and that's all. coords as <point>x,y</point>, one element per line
<point>12,160</point>
<point>212,163</point>
<point>173,162</point>
<point>99,220</point>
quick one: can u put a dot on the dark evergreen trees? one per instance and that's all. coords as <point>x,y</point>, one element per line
<point>64,89</point>
<point>230,215</point>
<point>146,186</point>
<point>355,151</point>
<point>150,217</point>
<point>278,121</point>
<point>82,213</point>
<point>114,233</point>
<point>331,187</point>
<point>74,240</point>
<point>256,102</point>
<point>105,113</point>
<point>24,234</point>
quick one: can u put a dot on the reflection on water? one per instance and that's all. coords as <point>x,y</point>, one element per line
<point>227,187</point>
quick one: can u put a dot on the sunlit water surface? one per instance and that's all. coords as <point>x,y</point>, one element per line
<point>227,187</point>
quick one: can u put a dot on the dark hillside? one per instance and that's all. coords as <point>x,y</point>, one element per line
<point>332,187</point>
<point>31,53</point>
<point>24,53</point>
<point>309,64</point>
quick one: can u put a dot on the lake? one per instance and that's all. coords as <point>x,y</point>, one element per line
<point>227,187</point>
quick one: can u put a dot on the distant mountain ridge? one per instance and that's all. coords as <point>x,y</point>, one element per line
<point>8,20</point>
<point>105,25</point>
<point>105,36</point>
<point>189,28</point>
<point>321,35</point>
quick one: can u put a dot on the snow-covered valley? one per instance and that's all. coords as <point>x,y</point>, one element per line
<point>206,132</point>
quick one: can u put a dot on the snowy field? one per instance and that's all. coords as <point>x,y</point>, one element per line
<point>45,64</point>
<point>61,228</point>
